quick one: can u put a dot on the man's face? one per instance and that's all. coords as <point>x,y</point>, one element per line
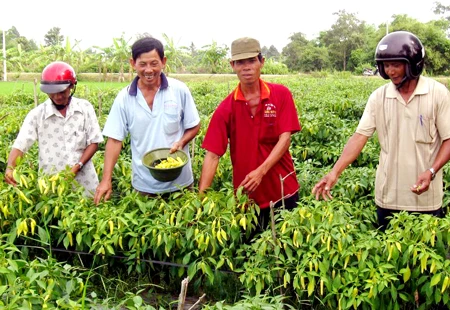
<point>148,67</point>
<point>248,70</point>
<point>395,70</point>
<point>61,98</point>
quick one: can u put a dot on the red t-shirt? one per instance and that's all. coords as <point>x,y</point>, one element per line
<point>252,138</point>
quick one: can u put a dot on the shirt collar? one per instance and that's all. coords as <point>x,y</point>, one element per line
<point>421,88</point>
<point>50,109</point>
<point>132,91</point>
<point>265,91</point>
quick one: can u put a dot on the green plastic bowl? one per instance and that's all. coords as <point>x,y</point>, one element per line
<point>154,157</point>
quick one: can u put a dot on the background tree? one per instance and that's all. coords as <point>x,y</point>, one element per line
<point>270,52</point>
<point>345,35</point>
<point>314,58</point>
<point>101,56</point>
<point>13,38</point>
<point>440,9</point>
<point>174,56</point>
<point>271,66</point>
<point>362,57</point>
<point>121,55</point>
<point>54,37</point>
<point>213,58</point>
<point>143,35</point>
<point>292,53</point>
<point>190,58</point>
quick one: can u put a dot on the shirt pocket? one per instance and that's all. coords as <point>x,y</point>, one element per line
<point>171,117</point>
<point>80,139</point>
<point>426,130</point>
<point>269,125</point>
<point>269,131</point>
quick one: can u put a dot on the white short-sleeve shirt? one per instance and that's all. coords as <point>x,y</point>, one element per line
<point>172,113</point>
<point>62,140</point>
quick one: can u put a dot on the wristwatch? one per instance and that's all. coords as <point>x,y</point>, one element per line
<point>433,173</point>
<point>80,164</point>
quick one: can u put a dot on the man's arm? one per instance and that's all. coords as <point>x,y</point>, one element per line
<point>86,156</point>
<point>210,163</point>
<point>112,152</point>
<point>11,165</point>
<point>188,135</point>
<point>423,181</point>
<point>254,178</point>
<point>351,151</point>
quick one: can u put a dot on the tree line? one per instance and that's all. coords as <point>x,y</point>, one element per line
<point>349,45</point>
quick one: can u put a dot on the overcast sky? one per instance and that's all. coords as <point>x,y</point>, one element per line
<point>96,22</point>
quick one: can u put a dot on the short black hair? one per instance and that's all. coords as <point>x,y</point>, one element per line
<point>145,45</point>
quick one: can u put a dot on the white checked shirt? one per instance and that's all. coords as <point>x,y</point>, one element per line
<point>62,140</point>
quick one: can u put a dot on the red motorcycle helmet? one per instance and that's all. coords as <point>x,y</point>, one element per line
<point>401,46</point>
<point>56,77</point>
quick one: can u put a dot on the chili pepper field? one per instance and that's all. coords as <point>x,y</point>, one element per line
<point>60,251</point>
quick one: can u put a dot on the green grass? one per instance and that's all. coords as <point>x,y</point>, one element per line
<point>8,88</point>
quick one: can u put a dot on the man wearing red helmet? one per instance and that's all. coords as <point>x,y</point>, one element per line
<point>410,115</point>
<point>65,127</point>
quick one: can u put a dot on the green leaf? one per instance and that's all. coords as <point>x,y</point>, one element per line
<point>437,296</point>
<point>311,285</point>
<point>277,250</point>
<point>209,273</point>
<point>187,258</point>
<point>288,252</point>
<point>3,289</point>
<point>393,292</point>
<point>42,235</point>
<point>13,265</point>
<point>110,249</point>
<point>79,238</point>
<point>192,270</point>
<point>258,287</point>
<point>66,241</point>
<point>435,280</point>
<point>445,297</point>
<point>406,274</point>
<point>137,301</point>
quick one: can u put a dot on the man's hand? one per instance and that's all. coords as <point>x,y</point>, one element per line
<point>323,187</point>
<point>176,146</point>
<point>9,178</point>
<point>75,169</point>
<point>252,181</point>
<point>103,189</point>
<point>422,184</point>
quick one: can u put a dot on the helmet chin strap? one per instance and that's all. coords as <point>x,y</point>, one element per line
<point>62,107</point>
<point>402,82</point>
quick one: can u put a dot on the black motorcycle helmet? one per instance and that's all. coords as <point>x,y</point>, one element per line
<point>401,46</point>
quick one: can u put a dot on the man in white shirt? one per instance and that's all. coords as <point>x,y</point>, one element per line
<point>65,127</point>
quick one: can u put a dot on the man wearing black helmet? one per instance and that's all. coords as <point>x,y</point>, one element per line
<point>65,127</point>
<point>411,116</point>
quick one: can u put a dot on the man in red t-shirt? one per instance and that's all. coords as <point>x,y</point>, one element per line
<point>257,120</point>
